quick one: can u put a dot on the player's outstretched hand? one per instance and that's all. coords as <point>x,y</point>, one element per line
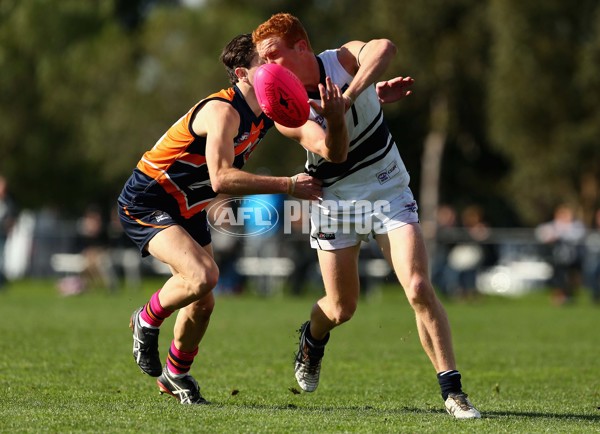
<point>306,187</point>
<point>393,90</point>
<point>332,103</point>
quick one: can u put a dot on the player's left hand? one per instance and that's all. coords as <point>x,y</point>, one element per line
<point>306,187</point>
<point>393,90</point>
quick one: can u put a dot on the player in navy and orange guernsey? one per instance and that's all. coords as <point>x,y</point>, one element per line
<point>162,209</point>
<point>365,193</point>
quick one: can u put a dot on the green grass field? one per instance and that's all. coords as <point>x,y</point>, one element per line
<point>66,366</point>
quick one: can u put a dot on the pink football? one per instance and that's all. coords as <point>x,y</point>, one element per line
<point>281,95</point>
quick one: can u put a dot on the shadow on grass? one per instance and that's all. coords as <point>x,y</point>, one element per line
<point>411,410</point>
<point>539,415</point>
<point>329,409</point>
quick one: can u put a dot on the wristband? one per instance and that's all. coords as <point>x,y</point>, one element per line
<point>291,185</point>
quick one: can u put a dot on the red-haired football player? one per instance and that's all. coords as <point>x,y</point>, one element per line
<point>365,193</point>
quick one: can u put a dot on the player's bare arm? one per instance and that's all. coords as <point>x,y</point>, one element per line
<point>220,122</point>
<point>333,143</point>
<point>366,61</point>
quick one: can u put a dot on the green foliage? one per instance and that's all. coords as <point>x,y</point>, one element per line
<point>66,366</point>
<point>82,95</point>
<point>50,86</point>
<point>540,116</point>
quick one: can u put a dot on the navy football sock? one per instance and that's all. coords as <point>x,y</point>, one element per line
<point>449,382</point>
<point>315,343</point>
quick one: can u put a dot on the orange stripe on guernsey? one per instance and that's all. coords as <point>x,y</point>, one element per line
<point>194,159</point>
<point>169,148</point>
<point>138,221</point>
<point>179,147</point>
<point>170,187</point>
<point>162,177</point>
<point>186,210</point>
<point>172,146</point>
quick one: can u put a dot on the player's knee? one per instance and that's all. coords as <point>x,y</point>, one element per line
<point>211,278</point>
<point>420,293</point>
<point>343,313</point>
<point>202,280</point>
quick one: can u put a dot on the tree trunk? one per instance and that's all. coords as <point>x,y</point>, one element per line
<point>431,166</point>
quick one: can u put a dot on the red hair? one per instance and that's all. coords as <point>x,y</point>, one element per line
<point>284,26</point>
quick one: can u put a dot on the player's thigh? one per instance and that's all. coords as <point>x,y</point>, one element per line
<point>175,247</point>
<point>208,248</point>
<point>404,248</point>
<point>339,269</point>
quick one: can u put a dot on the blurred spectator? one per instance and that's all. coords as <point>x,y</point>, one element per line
<point>93,245</point>
<point>591,264</point>
<point>468,257</point>
<point>52,234</point>
<point>123,252</point>
<point>563,236</point>
<point>8,217</point>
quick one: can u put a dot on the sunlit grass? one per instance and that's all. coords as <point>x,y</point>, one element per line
<point>66,366</point>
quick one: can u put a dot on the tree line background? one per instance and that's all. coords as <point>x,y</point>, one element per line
<point>504,112</point>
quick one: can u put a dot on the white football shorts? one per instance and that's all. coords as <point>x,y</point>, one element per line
<point>337,224</point>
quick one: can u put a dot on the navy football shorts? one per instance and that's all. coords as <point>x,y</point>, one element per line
<point>141,224</point>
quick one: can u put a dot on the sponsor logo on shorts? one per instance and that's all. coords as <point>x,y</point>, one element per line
<point>412,206</point>
<point>325,236</point>
<point>388,173</point>
<point>159,216</point>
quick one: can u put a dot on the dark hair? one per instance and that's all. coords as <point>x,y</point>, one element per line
<point>239,52</point>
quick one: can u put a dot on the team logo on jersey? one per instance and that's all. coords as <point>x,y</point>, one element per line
<point>249,151</point>
<point>320,120</point>
<point>242,138</point>
<point>388,173</point>
<point>250,140</point>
